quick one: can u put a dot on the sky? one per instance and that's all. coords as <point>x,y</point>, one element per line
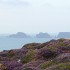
<point>34,16</point>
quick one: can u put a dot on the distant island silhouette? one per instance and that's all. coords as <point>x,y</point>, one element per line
<point>64,35</point>
<point>19,35</point>
<point>39,35</point>
<point>43,35</point>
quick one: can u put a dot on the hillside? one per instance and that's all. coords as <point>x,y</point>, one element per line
<point>52,55</point>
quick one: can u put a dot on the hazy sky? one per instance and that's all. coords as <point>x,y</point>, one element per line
<point>33,16</point>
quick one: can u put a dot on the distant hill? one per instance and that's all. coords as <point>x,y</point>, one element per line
<point>43,35</point>
<point>64,35</point>
<point>19,35</point>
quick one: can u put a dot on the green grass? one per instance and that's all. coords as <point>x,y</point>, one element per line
<point>52,63</point>
<point>47,64</point>
<point>29,57</point>
<point>52,48</point>
<point>63,66</point>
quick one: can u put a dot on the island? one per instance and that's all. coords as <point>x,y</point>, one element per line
<point>52,55</point>
<point>64,35</point>
<point>19,35</point>
<point>43,35</point>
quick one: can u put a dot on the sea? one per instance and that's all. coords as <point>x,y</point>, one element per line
<point>17,43</point>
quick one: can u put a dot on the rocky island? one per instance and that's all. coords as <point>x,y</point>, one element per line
<point>43,35</point>
<point>64,35</point>
<point>19,35</point>
<point>52,55</point>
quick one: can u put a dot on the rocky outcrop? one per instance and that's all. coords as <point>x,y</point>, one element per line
<point>52,55</point>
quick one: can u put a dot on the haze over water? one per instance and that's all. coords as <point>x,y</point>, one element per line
<point>16,43</point>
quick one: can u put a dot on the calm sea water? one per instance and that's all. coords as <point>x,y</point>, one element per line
<point>16,43</point>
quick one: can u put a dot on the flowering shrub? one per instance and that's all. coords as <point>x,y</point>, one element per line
<point>12,64</point>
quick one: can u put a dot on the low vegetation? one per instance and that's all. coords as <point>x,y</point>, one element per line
<point>52,55</point>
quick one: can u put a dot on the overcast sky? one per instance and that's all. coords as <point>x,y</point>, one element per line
<point>33,16</point>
